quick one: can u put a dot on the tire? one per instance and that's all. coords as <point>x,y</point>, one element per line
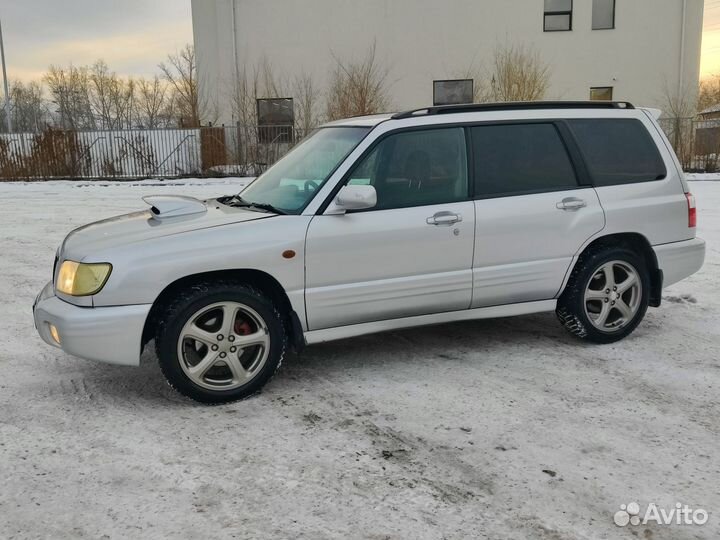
<point>220,342</point>
<point>586,308</point>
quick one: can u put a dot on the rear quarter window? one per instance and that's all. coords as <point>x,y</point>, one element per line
<point>618,151</point>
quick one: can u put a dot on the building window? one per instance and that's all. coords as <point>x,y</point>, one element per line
<point>558,15</point>
<point>601,93</point>
<point>456,92</point>
<point>276,120</point>
<point>603,15</point>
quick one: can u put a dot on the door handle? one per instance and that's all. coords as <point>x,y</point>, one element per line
<point>571,204</point>
<point>444,218</point>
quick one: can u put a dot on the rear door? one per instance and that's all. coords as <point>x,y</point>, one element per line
<point>412,253</point>
<point>534,211</point>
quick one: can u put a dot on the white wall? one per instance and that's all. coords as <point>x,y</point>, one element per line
<point>423,40</point>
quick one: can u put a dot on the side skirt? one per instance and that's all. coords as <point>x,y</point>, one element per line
<point>510,310</point>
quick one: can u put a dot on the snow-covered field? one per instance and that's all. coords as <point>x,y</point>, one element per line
<point>501,429</point>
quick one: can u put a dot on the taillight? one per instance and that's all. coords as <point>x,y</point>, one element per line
<point>692,211</point>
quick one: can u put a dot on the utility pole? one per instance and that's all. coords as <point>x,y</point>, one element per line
<point>5,80</point>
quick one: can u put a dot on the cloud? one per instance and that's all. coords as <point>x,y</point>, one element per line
<point>132,36</point>
<point>128,54</point>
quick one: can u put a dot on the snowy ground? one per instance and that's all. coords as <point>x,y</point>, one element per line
<point>502,429</point>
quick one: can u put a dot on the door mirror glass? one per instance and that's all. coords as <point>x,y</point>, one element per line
<point>355,197</point>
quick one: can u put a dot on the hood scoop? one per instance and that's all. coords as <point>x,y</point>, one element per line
<point>170,206</point>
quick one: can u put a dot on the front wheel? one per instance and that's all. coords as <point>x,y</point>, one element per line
<point>220,342</point>
<point>607,295</point>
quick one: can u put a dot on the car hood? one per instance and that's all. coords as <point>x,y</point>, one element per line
<point>139,226</point>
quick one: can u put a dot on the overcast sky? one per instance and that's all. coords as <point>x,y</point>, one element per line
<point>133,36</point>
<point>711,39</point>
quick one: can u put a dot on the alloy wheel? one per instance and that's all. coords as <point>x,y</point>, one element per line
<point>223,346</point>
<point>613,296</point>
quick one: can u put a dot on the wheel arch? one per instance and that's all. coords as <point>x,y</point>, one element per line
<point>256,278</point>
<point>635,242</point>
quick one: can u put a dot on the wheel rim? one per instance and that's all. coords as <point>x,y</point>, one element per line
<point>223,346</point>
<point>613,296</point>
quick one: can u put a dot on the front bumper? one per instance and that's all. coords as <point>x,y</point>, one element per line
<point>680,259</point>
<point>106,334</point>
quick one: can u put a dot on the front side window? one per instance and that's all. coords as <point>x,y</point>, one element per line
<point>618,151</point>
<point>603,15</point>
<point>416,168</point>
<point>558,15</point>
<point>601,93</point>
<point>291,183</point>
<point>517,159</point>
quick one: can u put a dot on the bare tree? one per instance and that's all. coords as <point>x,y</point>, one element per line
<point>518,74</point>
<point>709,95</point>
<point>305,95</point>
<point>29,107</point>
<point>357,87</point>
<point>69,89</point>
<point>259,82</point>
<point>270,85</point>
<point>180,71</point>
<point>243,94</point>
<point>124,99</point>
<point>679,109</point>
<point>153,103</point>
<point>679,104</point>
<point>111,97</point>
<point>100,80</point>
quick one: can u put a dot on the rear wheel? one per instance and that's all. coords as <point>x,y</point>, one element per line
<point>606,297</point>
<point>221,342</point>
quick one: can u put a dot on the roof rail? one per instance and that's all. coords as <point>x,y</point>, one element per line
<point>512,106</point>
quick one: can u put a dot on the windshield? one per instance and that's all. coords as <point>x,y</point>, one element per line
<point>291,183</point>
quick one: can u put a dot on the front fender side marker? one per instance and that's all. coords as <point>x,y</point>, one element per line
<point>54,333</point>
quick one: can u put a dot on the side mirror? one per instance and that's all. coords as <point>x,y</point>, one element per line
<point>353,198</point>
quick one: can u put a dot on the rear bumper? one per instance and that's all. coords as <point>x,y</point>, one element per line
<point>680,259</point>
<point>106,334</point>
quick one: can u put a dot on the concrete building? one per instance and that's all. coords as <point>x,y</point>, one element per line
<point>634,50</point>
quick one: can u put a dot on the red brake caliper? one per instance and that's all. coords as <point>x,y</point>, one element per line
<point>243,328</point>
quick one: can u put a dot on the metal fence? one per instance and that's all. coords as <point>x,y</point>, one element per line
<point>144,153</point>
<point>230,151</point>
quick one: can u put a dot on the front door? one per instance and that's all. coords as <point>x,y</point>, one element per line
<point>412,253</point>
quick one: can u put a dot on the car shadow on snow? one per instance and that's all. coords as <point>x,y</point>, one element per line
<point>446,341</point>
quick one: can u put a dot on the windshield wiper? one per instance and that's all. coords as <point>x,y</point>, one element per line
<point>267,208</point>
<point>236,200</point>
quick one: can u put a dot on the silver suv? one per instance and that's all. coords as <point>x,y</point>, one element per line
<point>386,222</point>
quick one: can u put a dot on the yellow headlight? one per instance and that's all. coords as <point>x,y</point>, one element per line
<point>79,279</point>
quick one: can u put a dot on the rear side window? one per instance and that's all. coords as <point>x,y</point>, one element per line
<point>515,159</point>
<point>618,151</point>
